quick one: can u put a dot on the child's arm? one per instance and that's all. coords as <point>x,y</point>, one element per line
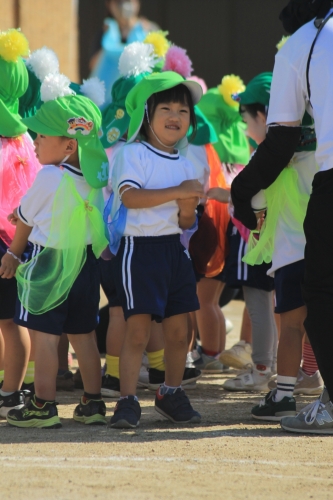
<point>9,263</point>
<point>187,213</point>
<point>147,198</point>
<point>219,194</point>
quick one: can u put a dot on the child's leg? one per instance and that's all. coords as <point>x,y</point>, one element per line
<point>175,348</point>
<point>290,344</point>
<point>246,328</point>
<point>86,350</point>
<point>114,340</point>
<point>46,364</point>
<point>2,356</point>
<point>17,346</point>
<point>210,317</point>
<point>63,353</point>
<point>136,338</point>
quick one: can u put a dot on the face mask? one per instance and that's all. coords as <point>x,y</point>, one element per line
<point>299,12</point>
<point>127,10</point>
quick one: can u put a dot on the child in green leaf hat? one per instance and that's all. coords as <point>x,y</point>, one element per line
<point>155,196</point>
<point>60,215</point>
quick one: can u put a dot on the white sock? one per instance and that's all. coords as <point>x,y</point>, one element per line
<point>285,387</point>
<point>4,393</point>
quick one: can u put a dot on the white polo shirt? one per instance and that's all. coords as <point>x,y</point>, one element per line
<point>142,166</point>
<point>35,209</point>
<point>289,96</point>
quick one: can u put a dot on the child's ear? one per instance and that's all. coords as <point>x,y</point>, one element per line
<point>71,146</point>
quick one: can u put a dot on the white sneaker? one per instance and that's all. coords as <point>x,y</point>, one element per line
<point>228,325</point>
<point>143,380</point>
<point>250,380</point>
<point>239,356</point>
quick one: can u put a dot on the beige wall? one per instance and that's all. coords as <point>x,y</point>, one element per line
<point>47,22</point>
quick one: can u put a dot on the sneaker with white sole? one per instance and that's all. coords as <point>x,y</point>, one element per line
<point>238,356</point>
<point>207,364</point>
<point>273,411</point>
<point>14,401</point>
<point>315,418</point>
<point>253,379</point>
<point>309,385</point>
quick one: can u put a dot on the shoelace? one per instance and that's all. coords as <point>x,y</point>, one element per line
<point>313,409</point>
<point>263,401</point>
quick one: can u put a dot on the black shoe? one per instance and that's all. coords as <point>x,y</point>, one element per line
<point>110,387</point>
<point>65,381</point>
<point>126,414</point>
<point>157,378</point>
<point>176,407</point>
<point>92,412</point>
<point>14,401</point>
<point>32,415</point>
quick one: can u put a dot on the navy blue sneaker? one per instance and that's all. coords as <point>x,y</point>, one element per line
<point>127,414</point>
<point>176,407</point>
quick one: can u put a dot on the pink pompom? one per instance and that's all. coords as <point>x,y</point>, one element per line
<point>177,60</point>
<point>201,82</point>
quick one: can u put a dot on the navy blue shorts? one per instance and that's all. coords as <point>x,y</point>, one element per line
<point>108,283</point>
<point>154,275</point>
<point>288,292</point>
<point>237,273</point>
<point>78,313</point>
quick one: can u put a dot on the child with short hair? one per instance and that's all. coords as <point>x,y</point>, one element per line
<point>61,216</point>
<point>157,194</point>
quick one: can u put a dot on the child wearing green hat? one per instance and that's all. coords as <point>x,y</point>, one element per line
<point>155,198</point>
<point>18,169</point>
<point>61,216</point>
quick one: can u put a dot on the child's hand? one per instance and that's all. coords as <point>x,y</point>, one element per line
<point>190,189</point>
<point>188,205</point>
<point>219,194</point>
<point>260,219</point>
<point>8,266</point>
<point>13,218</point>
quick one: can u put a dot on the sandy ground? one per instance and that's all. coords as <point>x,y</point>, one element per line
<point>227,456</point>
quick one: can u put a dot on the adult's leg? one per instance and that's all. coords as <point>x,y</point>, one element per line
<point>318,278</point>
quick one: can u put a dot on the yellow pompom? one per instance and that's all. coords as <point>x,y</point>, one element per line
<point>13,44</point>
<point>159,41</point>
<point>231,84</point>
<point>282,42</point>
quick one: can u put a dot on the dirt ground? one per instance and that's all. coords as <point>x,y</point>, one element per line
<point>227,456</point>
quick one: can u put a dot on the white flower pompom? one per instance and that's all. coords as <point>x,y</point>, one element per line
<point>42,62</point>
<point>94,88</point>
<point>138,57</point>
<point>54,86</point>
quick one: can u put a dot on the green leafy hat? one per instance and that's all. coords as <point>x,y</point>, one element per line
<point>13,81</point>
<point>115,119</point>
<point>149,85</point>
<point>257,90</point>
<point>232,145</point>
<point>205,133</point>
<point>76,117</point>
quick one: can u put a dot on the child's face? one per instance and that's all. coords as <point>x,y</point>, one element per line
<point>256,126</point>
<point>51,150</point>
<point>170,123</point>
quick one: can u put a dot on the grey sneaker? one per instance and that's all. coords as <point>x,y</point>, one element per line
<point>310,385</point>
<point>315,418</point>
<point>238,356</point>
<point>207,364</point>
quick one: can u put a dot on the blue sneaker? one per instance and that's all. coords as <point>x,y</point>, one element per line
<point>127,414</point>
<point>176,407</point>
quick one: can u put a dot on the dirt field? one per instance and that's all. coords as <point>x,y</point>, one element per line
<point>227,456</point>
